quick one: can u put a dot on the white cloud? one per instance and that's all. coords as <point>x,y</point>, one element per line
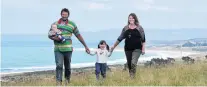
<point>21,4</point>
<point>163,8</point>
<point>149,5</point>
<point>94,5</point>
<point>148,1</point>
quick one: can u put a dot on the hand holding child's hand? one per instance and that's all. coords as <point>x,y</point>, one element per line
<point>87,50</point>
<point>112,48</point>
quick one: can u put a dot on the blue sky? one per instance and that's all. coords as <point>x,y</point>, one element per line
<point>35,16</point>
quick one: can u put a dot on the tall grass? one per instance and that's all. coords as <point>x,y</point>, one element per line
<point>174,75</point>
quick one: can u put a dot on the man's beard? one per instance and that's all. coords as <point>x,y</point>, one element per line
<point>65,18</point>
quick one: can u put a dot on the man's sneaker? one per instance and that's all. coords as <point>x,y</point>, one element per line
<point>59,83</point>
<point>132,75</point>
<point>67,81</point>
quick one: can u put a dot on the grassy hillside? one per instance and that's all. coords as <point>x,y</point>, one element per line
<point>174,75</point>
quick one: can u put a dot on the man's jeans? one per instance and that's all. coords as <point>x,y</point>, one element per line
<point>61,57</point>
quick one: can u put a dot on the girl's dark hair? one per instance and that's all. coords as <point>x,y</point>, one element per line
<point>102,42</point>
<point>135,18</point>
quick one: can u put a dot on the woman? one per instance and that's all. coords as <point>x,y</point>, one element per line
<point>134,36</point>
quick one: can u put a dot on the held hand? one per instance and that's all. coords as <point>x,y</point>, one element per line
<point>87,50</point>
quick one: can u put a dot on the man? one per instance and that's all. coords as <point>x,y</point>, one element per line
<point>63,49</point>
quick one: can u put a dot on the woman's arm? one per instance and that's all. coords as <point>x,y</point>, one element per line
<point>115,44</point>
<point>109,53</point>
<point>143,48</point>
<point>120,38</point>
<point>143,40</point>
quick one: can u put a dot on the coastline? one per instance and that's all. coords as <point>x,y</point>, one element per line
<point>36,74</point>
<point>77,70</point>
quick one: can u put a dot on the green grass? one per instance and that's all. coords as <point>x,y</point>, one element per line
<point>176,75</point>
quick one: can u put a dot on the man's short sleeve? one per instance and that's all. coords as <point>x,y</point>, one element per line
<point>75,30</point>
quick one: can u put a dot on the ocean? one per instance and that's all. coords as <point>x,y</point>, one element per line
<point>28,53</point>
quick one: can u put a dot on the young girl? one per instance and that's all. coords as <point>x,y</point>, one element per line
<point>56,32</point>
<point>102,56</point>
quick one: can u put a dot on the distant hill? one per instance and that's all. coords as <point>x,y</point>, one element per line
<point>195,42</point>
<point>185,43</point>
<point>153,37</point>
<point>202,40</point>
<point>151,34</point>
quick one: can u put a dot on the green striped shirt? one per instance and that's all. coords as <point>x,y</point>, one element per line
<point>67,30</point>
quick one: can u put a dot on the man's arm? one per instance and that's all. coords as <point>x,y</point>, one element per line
<point>54,38</point>
<point>79,36</point>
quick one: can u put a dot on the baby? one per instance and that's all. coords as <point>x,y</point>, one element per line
<point>56,32</point>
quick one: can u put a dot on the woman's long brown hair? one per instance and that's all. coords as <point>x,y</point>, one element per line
<point>135,18</point>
